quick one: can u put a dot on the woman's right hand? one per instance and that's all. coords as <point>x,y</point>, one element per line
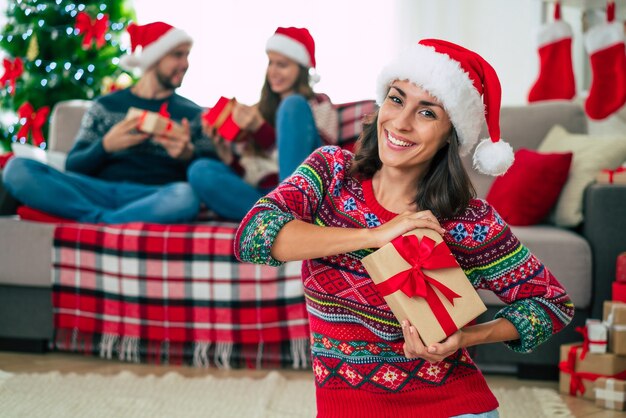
<point>404,223</point>
<point>247,118</point>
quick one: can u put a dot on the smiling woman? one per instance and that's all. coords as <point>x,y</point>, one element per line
<point>406,174</point>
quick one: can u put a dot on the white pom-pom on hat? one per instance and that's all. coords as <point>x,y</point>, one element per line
<point>493,158</point>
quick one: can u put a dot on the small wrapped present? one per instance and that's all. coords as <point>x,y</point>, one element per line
<point>220,117</point>
<point>595,337</point>
<point>611,393</point>
<point>153,122</point>
<point>614,316</point>
<point>620,268</point>
<point>422,282</point>
<point>577,376</point>
<point>618,292</point>
<point>617,176</point>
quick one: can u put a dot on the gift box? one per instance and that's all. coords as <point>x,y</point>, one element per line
<point>422,282</point>
<point>620,268</point>
<point>618,292</point>
<point>577,376</point>
<point>154,123</point>
<point>610,393</point>
<point>220,117</point>
<point>614,316</point>
<point>617,176</point>
<point>596,336</point>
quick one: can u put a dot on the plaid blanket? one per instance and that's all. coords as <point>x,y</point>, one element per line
<point>174,294</point>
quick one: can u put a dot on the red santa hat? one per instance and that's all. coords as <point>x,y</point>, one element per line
<point>150,42</point>
<point>295,43</point>
<point>467,87</point>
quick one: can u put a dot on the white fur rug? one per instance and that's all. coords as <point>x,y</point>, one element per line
<point>173,395</point>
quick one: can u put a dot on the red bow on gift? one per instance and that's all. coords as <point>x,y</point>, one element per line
<point>92,29</point>
<point>12,71</point>
<point>612,173</point>
<point>34,122</point>
<point>413,282</point>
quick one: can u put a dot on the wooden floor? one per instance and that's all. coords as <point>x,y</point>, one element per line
<point>74,363</point>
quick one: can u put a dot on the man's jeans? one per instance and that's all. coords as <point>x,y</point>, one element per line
<point>88,199</point>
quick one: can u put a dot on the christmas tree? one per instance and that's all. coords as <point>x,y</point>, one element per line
<point>56,50</point>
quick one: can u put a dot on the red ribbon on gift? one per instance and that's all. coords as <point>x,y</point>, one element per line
<point>163,112</point>
<point>414,282</point>
<point>12,71</point>
<point>586,341</point>
<point>612,173</point>
<point>92,29</point>
<point>576,378</point>
<point>35,119</point>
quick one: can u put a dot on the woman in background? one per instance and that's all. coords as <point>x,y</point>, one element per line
<point>406,174</point>
<point>279,132</point>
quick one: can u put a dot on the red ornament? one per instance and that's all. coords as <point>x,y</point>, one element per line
<point>35,119</point>
<point>92,29</point>
<point>12,71</point>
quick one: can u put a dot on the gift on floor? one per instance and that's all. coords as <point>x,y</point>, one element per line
<point>595,335</point>
<point>422,282</point>
<point>614,316</point>
<point>607,176</point>
<point>577,376</point>
<point>154,123</point>
<point>220,117</point>
<point>610,393</point>
<point>618,292</point>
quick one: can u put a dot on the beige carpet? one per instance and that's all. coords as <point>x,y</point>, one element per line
<point>172,395</point>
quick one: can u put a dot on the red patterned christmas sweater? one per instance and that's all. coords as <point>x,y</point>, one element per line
<point>357,356</point>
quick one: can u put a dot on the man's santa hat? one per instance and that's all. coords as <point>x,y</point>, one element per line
<point>467,87</point>
<point>294,43</point>
<point>151,42</point>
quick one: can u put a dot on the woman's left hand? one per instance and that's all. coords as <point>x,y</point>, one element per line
<point>415,348</point>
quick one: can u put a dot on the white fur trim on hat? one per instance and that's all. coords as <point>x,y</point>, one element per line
<point>553,32</point>
<point>146,57</point>
<point>603,36</point>
<point>445,79</point>
<point>493,158</point>
<point>290,48</point>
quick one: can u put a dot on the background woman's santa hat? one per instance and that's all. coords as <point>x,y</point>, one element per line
<point>151,42</point>
<point>294,43</point>
<point>458,78</point>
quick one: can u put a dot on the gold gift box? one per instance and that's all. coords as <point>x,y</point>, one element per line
<point>154,123</point>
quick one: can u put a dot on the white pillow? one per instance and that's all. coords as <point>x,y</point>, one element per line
<point>591,155</point>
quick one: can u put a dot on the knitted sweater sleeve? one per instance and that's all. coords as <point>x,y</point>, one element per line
<point>87,155</point>
<point>494,259</point>
<point>297,197</point>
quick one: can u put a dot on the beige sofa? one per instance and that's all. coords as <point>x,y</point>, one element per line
<point>583,260</point>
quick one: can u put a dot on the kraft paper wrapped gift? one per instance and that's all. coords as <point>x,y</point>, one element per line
<point>577,376</point>
<point>614,316</point>
<point>611,393</point>
<point>607,176</point>
<point>423,283</point>
<point>220,117</point>
<point>153,122</point>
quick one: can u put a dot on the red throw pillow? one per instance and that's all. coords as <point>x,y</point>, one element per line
<point>30,214</point>
<point>529,189</point>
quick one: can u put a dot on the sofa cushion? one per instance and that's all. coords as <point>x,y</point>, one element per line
<point>525,194</point>
<point>567,255</point>
<point>591,155</point>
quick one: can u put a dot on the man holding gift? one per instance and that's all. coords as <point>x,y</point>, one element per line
<point>116,173</point>
<point>406,174</point>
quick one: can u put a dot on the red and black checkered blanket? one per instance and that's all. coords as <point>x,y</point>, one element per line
<point>174,294</point>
